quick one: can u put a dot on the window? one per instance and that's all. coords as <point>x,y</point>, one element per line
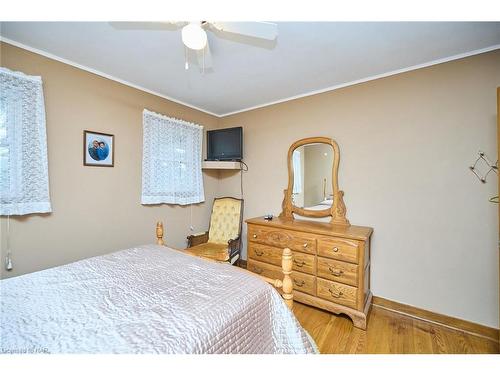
<point>171,160</point>
<point>24,180</point>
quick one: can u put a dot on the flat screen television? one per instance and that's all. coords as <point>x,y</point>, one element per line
<point>225,144</point>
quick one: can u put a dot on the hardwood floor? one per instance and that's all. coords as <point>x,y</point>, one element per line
<point>388,332</point>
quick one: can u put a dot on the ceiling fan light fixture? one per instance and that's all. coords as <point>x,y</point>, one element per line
<point>194,37</point>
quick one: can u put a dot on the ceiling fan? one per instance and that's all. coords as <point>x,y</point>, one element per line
<point>194,34</point>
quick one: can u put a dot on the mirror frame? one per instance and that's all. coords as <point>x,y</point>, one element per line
<point>338,210</point>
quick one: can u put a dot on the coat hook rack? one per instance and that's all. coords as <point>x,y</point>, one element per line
<point>482,158</point>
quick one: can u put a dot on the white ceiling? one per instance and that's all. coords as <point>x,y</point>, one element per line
<point>306,58</point>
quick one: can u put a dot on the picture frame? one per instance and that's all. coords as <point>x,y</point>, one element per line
<point>98,149</point>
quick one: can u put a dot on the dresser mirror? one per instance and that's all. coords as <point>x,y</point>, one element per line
<point>312,166</point>
<point>313,190</point>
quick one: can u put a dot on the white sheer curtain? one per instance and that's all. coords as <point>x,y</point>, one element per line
<point>24,180</point>
<point>171,160</point>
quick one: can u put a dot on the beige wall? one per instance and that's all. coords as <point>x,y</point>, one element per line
<point>406,143</point>
<point>95,210</point>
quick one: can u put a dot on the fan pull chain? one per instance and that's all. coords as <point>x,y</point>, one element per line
<point>8,257</point>
<point>204,59</point>
<point>191,227</point>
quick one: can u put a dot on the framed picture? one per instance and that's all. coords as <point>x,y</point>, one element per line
<point>98,149</point>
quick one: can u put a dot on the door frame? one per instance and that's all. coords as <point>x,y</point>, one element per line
<point>498,248</point>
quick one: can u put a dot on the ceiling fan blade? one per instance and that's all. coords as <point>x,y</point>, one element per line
<point>262,30</point>
<point>169,26</point>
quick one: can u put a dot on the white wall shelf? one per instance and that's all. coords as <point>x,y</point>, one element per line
<point>221,165</point>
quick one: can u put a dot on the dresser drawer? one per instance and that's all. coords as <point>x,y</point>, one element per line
<point>301,262</point>
<point>264,269</point>
<point>264,253</point>
<point>336,292</point>
<point>346,273</point>
<point>297,241</point>
<point>304,263</point>
<point>338,248</point>
<point>304,282</point>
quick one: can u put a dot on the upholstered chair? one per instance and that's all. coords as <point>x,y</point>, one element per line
<point>222,241</point>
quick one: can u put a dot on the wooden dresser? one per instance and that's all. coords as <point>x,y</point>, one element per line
<point>331,263</point>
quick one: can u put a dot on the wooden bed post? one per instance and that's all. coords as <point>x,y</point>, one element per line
<point>159,234</point>
<point>286,265</point>
<point>286,285</point>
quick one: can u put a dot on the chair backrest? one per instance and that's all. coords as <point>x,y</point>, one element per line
<point>225,222</point>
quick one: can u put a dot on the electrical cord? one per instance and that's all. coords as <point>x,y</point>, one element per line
<point>242,163</point>
<point>245,169</point>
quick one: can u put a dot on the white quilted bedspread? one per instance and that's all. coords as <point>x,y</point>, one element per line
<point>148,299</point>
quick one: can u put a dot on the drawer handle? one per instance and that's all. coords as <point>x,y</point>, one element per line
<point>335,249</point>
<point>258,253</point>
<point>335,272</point>
<point>299,282</point>
<point>299,264</point>
<point>305,245</point>
<point>257,270</point>
<point>335,294</point>
<point>254,236</point>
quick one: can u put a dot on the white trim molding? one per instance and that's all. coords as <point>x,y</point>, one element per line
<point>220,115</point>
<point>370,78</point>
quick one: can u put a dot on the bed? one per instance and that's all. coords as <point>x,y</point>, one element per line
<point>148,299</point>
<point>327,203</point>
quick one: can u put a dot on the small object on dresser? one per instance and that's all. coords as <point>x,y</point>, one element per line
<point>268,217</point>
